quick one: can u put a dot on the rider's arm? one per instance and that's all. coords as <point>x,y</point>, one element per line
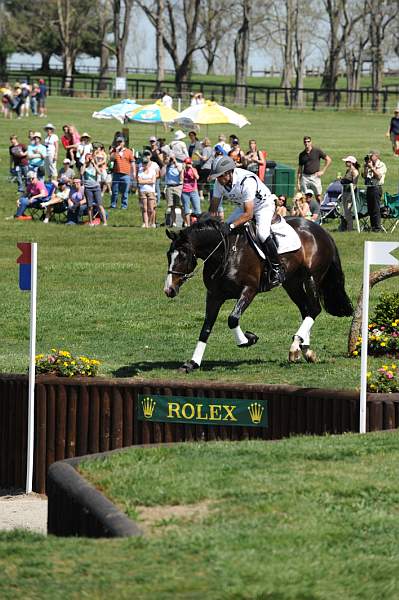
<point>247,215</point>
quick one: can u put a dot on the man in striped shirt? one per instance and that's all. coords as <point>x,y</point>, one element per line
<point>124,170</point>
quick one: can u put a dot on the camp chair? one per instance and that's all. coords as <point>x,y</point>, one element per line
<point>390,212</point>
<point>36,212</point>
<point>362,210</point>
<point>330,207</point>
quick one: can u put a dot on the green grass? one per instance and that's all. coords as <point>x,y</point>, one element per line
<point>100,291</point>
<point>302,518</point>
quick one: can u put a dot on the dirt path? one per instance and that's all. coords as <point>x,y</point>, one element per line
<point>23,511</point>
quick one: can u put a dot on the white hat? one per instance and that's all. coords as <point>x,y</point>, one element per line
<point>37,134</point>
<point>49,126</point>
<point>179,135</point>
<point>351,159</point>
<point>86,135</point>
<point>309,191</point>
<point>30,174</point>
<point>67,160</point>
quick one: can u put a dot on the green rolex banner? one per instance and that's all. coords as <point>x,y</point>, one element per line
<point>202,411</point>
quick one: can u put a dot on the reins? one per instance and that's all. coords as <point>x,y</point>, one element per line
<point>187,276</point>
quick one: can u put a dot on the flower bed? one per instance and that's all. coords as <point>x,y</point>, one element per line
<point>63,364</point>
<point>385,379</point>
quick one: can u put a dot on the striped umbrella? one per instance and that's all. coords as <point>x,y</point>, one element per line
<point>152,114</point>
<point>116,111</point>
<point>211,113</point>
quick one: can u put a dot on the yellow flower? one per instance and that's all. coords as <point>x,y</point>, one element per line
<point>385,367</point>
<point>95,362</point>
<point>368,373</point>
<point>39,356</point>
<point>73,362</point>
<point>65,353</point>
<point>393,367</point>
<point>355,353</point>
<point>383,344</point>
<point>65,364</point>
<point>372,386</point>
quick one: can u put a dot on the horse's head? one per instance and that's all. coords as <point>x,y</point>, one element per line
<point>181,262</point>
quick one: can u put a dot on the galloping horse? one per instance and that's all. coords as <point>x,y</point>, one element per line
<point>233,269</point>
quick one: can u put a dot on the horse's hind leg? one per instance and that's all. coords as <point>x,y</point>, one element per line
<point>304,294</point>
<point>243,339</point>
<point>213,304</point>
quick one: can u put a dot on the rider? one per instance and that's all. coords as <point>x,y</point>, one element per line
<point>254,199</point>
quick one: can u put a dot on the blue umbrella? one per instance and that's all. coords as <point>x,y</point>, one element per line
<point>152,113</point>
<point>116,111</point>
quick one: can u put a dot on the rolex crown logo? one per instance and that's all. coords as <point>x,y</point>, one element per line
<point>148,405</point>
<point>256,411</point>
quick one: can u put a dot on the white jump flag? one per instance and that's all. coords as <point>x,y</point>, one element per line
<point>28,283</point>
<point>375,253</point>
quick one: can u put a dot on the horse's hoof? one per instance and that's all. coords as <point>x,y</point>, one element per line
<point>188,366</point>
<point>252,339</point>
<point>294,356</point>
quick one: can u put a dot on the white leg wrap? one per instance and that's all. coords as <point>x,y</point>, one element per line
<point>199,352</point>
<point>239,336</point>
<point>304,330</point>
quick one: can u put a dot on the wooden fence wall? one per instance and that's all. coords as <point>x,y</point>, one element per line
<point>86,416</point>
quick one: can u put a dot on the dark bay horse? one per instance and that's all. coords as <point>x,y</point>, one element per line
<point>233,269</point>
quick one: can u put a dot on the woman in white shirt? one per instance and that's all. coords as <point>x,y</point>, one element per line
<point>146,178</point>
<point>51,143</point>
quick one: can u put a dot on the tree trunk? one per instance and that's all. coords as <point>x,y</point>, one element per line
<point>68,66</point>
<point>160,50</point>
<point>288,68</point>
<point>356,326</point>
<point>299,70</point>
<point>241,53</point>
<point>46,57</point>
<point>104,64</point>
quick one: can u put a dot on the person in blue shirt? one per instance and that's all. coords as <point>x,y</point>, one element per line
<point>173,172</point>
<point>37,152</point>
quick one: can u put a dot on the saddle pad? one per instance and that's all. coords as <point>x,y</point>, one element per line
<point>286,237</point>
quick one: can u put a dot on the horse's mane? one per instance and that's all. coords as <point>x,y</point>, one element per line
<point>205,223</point>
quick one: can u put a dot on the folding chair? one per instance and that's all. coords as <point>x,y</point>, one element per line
<point>35,211</point>
<point>362,210</point>
<point>390,212</point>
<point>330,207</point>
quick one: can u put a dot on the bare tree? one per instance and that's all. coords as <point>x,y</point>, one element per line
<point>69,20</point>
<point>160,49</point>
<point>382,12</point>
<point>354,49</point>
<point>122,10</point>
<point>215,21</point>
<point>180,32</point>
<point>241,51</point>
<point>105,21</point>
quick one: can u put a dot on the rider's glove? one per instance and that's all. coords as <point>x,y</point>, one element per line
<point>226,228</point>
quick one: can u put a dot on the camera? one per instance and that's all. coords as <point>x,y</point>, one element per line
<point>367,158</point>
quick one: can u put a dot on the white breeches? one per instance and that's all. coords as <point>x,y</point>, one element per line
<point>263,217</point>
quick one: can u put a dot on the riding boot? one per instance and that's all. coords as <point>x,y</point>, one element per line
<point>275,270</point>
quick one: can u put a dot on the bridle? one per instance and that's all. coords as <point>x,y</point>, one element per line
<point>186,276</point>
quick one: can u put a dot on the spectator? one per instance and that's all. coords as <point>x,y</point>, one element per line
<point>167,100</point>
<point>309,172</point>
<point>197,98</point>
<point>157,157</point>
<point>393,131</point>
<point>281,205</point>
<point>84,147</point>
<point>206,165</point>
<point>374,171</point>
<point>34,99</point>
<point>236,153</point>
<point>178,147</point>
<point>253,158</point>
<point>70,140</point>
<point>314,206</point>
<point>25,99</point>
<point>222,143</point>
<point>42,98</point>
<point>17,100</point>
<point>173,172</point>
<point>7,102</point>
<point>66,173</point>
<point>36,192</point>
<point>351,176</point>
<point>101,160</point>
<point>37,154</point>
<point>124,169</point>
<point>219,151</point>
<point>190,191</point>
<point>194,149</point>
<point>75,202</point>
<point>51,142</point>
<point>301,207</point>
<point>146,178</point>
<point>92,189</point>
<point>59,199</point>
<point>19,163</point>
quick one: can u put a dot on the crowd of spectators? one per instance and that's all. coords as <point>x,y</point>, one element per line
<point>23,99</point>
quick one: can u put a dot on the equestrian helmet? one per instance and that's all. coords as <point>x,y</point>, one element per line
<point>221,165</point>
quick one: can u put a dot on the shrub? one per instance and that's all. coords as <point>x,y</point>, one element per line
<point>387,311</point>
<point>384,328</point>
<point>63,364</point>
<point>385,379</point>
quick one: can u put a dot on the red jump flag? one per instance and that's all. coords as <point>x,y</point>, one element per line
<point>25,265</point>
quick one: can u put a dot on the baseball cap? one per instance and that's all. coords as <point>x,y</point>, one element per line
<point>49,126</point>
<point>308,192</point>
<point>152,139</point>
<point>351,159</point>
<point>67,160</point>
<point>30,174</point>
<point>188,161</point>
<point>37,134</point>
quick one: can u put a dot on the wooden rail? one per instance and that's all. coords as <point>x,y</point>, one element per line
<point>86,416</point>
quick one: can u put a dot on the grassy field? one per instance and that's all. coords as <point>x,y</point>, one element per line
<point>100,290</point>
<point>309,518</point>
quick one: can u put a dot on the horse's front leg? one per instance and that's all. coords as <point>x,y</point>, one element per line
<point>242,339</point>
<point>213,304</point>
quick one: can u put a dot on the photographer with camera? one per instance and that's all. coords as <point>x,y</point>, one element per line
<point>374,171</point>
<point>173,173</point>
<point>124,168</point>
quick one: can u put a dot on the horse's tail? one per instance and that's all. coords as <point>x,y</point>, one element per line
<point>333,295</point>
